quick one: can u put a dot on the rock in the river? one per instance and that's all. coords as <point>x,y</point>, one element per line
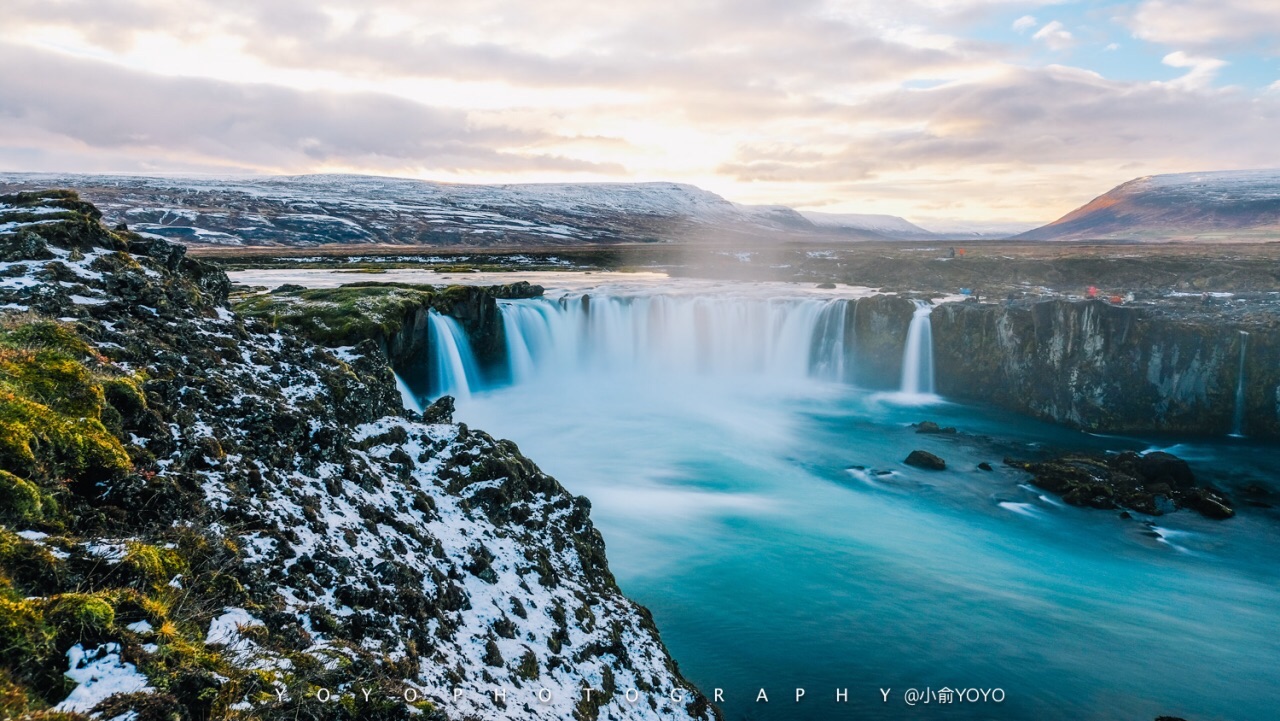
<point>1127,480</point>
<point>931,427</point>
<point>1161,467</point>
<point>925,459</point>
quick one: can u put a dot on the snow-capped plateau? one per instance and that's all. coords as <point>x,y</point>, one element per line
<point>887,225</point>
<point>311,210</point>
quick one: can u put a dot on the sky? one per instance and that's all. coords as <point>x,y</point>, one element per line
<point>978,110</point>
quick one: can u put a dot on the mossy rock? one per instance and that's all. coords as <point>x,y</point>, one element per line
<point>340,316</point>
<point>35,439</point>
<point>21,502</point>
<point>152,564</point>
<point>26,638</point>
<point>80,617</point>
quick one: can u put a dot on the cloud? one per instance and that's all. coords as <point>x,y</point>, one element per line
<point>1209,24</point>
<point>705,44</point>
<point>1201,71</point>
<point>1055,35</point>
<point>101,108</point>
<point>762,100</point>
<point>1037,118</point>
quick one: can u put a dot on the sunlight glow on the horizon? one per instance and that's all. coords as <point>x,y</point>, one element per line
<point>932,109</point>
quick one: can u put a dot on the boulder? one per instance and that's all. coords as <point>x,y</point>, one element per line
<point>926,460</point>
<point>1161,467</point>
<point>931,427</point>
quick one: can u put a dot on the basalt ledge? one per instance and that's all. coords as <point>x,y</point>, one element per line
<point>1101,367</point>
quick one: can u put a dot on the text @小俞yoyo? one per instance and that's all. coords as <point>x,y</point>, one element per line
<point>911,697</point>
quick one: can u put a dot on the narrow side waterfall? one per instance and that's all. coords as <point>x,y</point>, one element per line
<point>917,357</point>
<point>407,397</point>
<point>1237,426</point>
<point>831,349</point>
<point>452,365</point>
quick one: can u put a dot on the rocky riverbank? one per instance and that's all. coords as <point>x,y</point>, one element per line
<point>207,515</point>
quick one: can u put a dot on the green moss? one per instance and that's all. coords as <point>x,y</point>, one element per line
<point>152,564</point>
<point>126,397</point>
<point>80,616</point>
<point>49,335</point>
<point>26,638</point>
<point>37,440</point>
<point>55,380</point>
<point>51,405</point>
<point>343,315</point>
<point>20,500</point>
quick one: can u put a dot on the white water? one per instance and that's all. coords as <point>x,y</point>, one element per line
<point>1237,428</point>
<point>917,357</point>
<point>453,365</point>
<point>663,336</point>
<point>766,516</point>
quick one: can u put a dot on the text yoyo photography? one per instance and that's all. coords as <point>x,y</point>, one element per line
<point>717,360</point>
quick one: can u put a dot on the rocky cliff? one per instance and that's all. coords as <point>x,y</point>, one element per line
<point>203,516</point>
<point>875,333</point>
<point>1103,367</point>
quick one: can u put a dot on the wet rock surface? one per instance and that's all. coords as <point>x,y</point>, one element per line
<point>929,427</point>
<point>1151,484</point>
<point>1105,367</point>
<point>926,460</point>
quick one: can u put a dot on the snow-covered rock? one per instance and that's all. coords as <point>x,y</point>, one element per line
<point>260,550</point>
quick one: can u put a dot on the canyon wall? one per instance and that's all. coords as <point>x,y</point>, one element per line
<point>1101,367</point>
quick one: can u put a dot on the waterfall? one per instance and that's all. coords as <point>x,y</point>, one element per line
<point>406,395</point>
<point>452,365</point>
<point>917,357</point>
<point>1237,426</point>
<point>673,334</point>
<point>830,345</point>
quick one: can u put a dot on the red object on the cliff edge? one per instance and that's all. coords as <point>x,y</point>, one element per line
<point>1093,291</point>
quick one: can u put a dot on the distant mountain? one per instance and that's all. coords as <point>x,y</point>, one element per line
<point>323,209</point>
<point>975,229</point>
<point>889,226</point>
<point>892,227</point>
<point>1223,206</point>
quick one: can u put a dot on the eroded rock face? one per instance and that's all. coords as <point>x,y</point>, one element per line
<point>879,333</point>
<point>243,518</point>
<point>1096,366</point>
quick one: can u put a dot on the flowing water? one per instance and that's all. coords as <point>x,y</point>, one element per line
<point>917,359</point>
<point>453,365</point>
<point>1237,426</point>
<point>760,508</point>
